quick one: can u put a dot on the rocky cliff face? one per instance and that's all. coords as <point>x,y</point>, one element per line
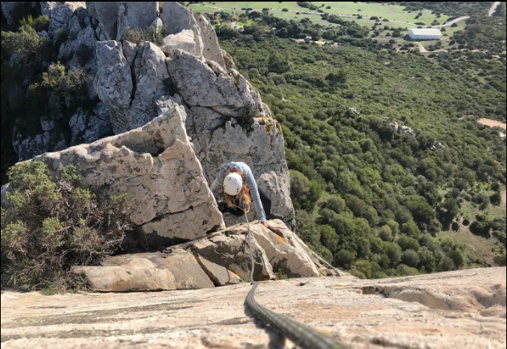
<point>463,309</point>
<point>224,116</point>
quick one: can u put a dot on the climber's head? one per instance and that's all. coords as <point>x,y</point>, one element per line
<point>234,186</point>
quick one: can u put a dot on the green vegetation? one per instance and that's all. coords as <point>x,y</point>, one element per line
<point>35,85</point>
<point>52,224</point>
<point>370,195</point>
<point>151,34</point>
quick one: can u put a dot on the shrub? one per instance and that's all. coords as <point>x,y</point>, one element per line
<point>24,44</point>
<point>386,233</point>
<point>328,237</point>
<point>343,258</point>
<point>410,258</point>
<point>500,260</point>
<point>446,264</point>
<point>38,24</point>
<point>480,228</point>
<point>408,243</point>
<point>136,35</point>
<point>335,203</point>
<point>393,251</point>
<point>52,223</point>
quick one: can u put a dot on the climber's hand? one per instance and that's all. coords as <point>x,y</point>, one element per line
<point>264,224</point>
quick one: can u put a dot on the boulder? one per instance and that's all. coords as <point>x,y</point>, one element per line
<point>275,249</point>
<point>231,251</point>
<point>186,270</point>
<point>156,165</point>
<point>139,275</point>
<point>177,18</point>
<point>29,147</point>
<point>218,274</point>
<point>206,85</point>
<point>113,81</point>
<point>177,270</point>
<point>184,41</point>
<point>131,15</point>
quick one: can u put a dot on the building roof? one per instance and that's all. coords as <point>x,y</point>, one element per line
<point>425,31</point>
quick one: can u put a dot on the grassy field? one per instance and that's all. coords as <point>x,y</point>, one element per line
<point>391,12</point>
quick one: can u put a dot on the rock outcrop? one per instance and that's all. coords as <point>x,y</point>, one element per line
<point>157,166</point>
<point>355,312</point>
<point>219,259</point>
<point>224,117</point>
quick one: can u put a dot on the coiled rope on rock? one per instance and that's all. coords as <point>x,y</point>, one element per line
<point>299,334</point>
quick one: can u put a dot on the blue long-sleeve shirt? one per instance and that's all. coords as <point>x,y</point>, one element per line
<point>250,183</point>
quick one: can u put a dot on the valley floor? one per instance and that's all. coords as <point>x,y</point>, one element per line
<point>464,309</point>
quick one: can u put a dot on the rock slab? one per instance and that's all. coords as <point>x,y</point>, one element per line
<point>217,318</point>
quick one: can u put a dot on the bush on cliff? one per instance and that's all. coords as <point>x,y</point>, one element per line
<point>52,223</point>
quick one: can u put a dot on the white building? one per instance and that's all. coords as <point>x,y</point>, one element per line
<point>425,34</point>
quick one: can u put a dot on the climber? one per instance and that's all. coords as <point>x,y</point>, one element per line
<point>231,179</point>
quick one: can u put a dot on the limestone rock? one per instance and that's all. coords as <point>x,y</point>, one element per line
<point>156,165</point>
<point>218,274</point>
<point>129,51</point>
<point>184,41</point>
<point>139,275</point>
<point>29,147</point>
<point>231,251</point>
<point>60,17</point>
<point>211,47</point>
<point>229,61</point>
<point>81,49</point>
<point>106,12</point>
<point>130,108</point>
<point>176,18</point>
<point>8,8</point>
<point>89,127</point>
<point>275,248</point>
<point>261,147</point>
<point>217,318</point>
<point>139,14</point>
<point>180,270</point>
<point>186,270</point>
<point>201,86</point>
<point>150,75</point>
<point>113,81</point>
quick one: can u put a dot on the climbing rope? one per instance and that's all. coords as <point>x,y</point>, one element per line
<point>301,335</point>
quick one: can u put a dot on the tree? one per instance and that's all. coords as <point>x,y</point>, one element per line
<point>278,64</point>
<point>426,260</point>
<point>343,258</point>
<point>410,258</point>
<point>328,237</point>
<point>408,243</point>
<point>386,233</point>
<point>335,203</point>
<point>336,79</point>
<point>393,251</point>
<point>420,209</point>
<point>411,229</point>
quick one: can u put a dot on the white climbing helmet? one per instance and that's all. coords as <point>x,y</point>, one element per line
<point>233,184</point>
